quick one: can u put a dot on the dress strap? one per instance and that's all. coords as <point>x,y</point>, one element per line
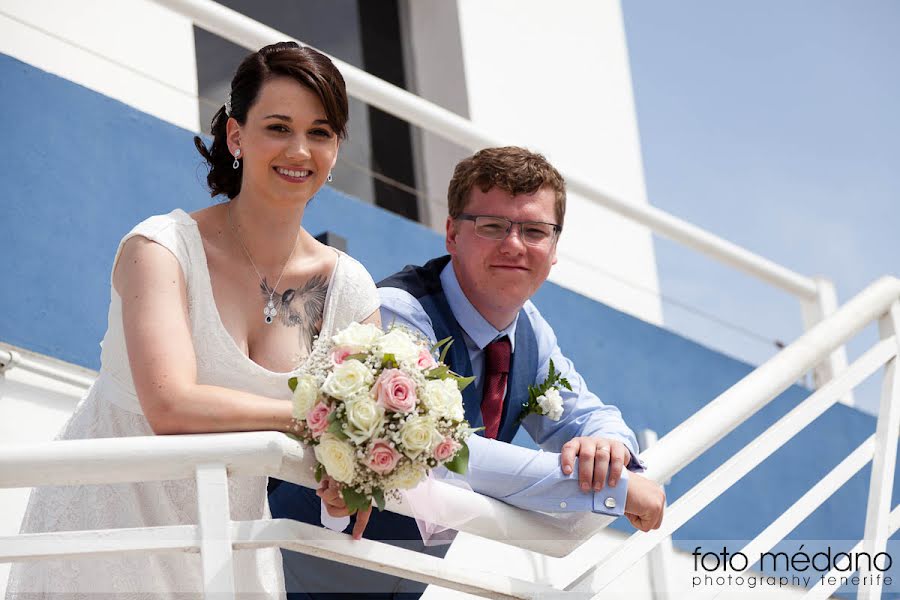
<point>171,231</point>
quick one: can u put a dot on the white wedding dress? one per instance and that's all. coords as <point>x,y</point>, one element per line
<point>111,409</point>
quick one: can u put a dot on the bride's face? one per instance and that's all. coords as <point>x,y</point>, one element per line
<point>287,145</point>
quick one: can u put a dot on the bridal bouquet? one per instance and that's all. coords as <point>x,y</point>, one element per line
<point>380,411</point>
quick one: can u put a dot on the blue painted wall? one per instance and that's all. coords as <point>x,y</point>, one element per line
<point>80,169</point>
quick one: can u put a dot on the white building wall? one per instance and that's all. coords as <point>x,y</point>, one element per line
<point>553,77</point>
<point>132,50</point>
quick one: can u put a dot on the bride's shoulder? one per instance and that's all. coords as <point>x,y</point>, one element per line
<point>157,224</point>
<point>351,268</point>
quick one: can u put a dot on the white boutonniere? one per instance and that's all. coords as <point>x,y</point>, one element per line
<point>545,399</point>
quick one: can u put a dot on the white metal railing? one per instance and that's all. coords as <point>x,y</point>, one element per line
<point>879,303</point>
<point>16,358</point>
<point>817,296</point>
<point>211,458</point>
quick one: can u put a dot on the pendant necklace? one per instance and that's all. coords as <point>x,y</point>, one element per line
<point>269,312</point>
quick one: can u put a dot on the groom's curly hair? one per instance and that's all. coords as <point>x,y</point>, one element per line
<point>513,169</point>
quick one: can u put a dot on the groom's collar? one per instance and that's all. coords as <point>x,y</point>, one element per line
<point>479,330</point>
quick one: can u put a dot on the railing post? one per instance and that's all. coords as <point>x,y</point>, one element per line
<point>881,483</point>
<point>214,516</point>
<point>659,560</point>
<point>814,311</point>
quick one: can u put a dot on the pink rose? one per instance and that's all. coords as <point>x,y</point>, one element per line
<point>317,418</point>
<point>447,449</point>
<point>395,391</point>
<point>340,353</point>
<point>382,458</point>
<point>426,360</point>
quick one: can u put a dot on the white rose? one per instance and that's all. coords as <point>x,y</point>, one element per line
<point>348,379</point>
<point>443,399</point>
<point>406,476</point>
<point>551,404</point>
<point>399,344</point>
<point>364,418</point>
<point>305,395</point>
<point>357,336</point>
<point>418,435</point>
<point>337,456</point>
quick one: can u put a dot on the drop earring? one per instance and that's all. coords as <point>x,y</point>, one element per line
<point>236,164</point>
<point>330,177</point>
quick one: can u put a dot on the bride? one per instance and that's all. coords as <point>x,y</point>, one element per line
<point>209,314</point>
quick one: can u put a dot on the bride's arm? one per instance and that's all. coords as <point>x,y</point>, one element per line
<point>150,282</point>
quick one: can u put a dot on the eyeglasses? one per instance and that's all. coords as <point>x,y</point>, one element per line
<point>533,233</point>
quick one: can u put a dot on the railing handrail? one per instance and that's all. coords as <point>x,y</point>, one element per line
<point>12,357</point>
<point>714,421</point>
<point>250,34</point>
<point>260,453</point>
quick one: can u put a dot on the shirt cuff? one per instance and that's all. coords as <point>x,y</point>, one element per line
<point>636,464</point>
<point>611,500</point>
<point>338,524</point>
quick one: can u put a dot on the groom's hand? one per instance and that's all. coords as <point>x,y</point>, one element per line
<point>597,458</point>
<point>645,503</point>
<point>330,493</point>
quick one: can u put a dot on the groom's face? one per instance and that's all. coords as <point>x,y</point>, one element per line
<point>499,276</point>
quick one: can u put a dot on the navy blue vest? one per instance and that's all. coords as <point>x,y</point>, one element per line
<point>424,284</point>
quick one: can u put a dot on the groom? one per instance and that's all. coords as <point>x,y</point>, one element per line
<point>506,211</point>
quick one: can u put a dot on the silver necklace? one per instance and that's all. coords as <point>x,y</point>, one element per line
<point>270,312</point>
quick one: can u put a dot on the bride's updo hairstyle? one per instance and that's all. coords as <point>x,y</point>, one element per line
<point>308,67</point>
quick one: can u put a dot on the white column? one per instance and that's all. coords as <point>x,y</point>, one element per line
<point>553,77</point>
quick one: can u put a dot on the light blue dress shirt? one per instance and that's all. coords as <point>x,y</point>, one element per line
<point>520,476</point>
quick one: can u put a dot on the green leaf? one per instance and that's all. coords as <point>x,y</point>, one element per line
<point>439,344</point>
<point>462,382</point>
<point>445,350</point>
<point>441,372</point>
<point>320,472</point>
<point>565,383</point>
<point>337,430</point>
<point>292,383</point>
<point>378,496</point>
<point>389,361</point>
<point>354,500</point>
<point>360,356</point>
<point>460,462</point>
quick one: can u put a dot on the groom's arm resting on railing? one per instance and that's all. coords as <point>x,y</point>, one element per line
<point>533,480</point>
<point>589,429</point>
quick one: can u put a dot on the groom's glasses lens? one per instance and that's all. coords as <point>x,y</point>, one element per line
<point>533,233</point>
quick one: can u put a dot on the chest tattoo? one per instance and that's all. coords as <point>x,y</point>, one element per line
<point>301,307</point>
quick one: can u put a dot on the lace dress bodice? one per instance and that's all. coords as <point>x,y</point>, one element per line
<point>111,409</point>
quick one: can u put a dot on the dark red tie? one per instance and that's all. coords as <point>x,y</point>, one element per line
<point>496,372</point>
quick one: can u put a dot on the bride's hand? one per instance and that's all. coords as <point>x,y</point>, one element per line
<point>330,493</point>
